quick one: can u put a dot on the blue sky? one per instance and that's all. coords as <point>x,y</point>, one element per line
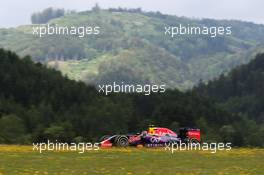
<point>17,12</point>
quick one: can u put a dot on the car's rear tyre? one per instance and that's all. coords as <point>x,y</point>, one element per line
<point>121,141</point>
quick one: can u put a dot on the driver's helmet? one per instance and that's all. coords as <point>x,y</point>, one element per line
<point>144,133</point>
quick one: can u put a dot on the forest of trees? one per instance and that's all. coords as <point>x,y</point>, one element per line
<point>46,15</point>
<point>241,92</point>
<point>38,103</point>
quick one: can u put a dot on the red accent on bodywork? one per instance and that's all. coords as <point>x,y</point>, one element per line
<point>134,138</point>
<point>106,144</point>
<point>196,134</point>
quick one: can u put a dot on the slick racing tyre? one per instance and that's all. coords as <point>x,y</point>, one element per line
<point>121,141</point>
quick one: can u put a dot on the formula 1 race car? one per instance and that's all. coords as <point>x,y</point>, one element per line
<point>153,137</point>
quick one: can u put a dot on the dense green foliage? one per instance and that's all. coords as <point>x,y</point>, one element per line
<point>241,92</point>
<point>133,41</point>
<point>46,15</point>
<point>38,103</point>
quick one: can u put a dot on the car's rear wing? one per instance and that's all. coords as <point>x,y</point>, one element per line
<point>190,134</point>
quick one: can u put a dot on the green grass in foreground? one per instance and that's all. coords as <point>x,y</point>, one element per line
<point>22,160</point>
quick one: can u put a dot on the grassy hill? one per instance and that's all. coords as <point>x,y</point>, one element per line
<point>132,47</point>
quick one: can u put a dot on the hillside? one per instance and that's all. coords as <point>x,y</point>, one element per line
<point>132,47</point>
<point>38,103</point>
<point>241,90</point>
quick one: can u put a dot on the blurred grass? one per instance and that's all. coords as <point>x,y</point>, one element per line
<point>116,161</point>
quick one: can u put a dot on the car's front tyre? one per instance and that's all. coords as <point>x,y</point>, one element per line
<point>121,141</point>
